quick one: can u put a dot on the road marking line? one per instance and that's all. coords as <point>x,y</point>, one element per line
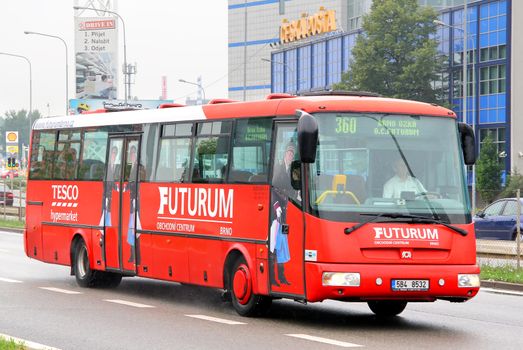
<point>58,290</point>
<point>215,319</point>
<point>501,291</point>
<point>9,280</point>
<point>128,303</point>
<point>325,340</point>
<point>27,343</point>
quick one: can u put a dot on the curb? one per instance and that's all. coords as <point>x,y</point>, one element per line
<point>12,230</point>
<point>502,285</point>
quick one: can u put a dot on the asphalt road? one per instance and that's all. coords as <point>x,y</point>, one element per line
<point>42,303</point>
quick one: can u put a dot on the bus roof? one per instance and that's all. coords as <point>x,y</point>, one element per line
<point>270,107</point>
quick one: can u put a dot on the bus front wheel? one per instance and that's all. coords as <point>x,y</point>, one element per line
<point>387,308</point>
<point>244,301</point>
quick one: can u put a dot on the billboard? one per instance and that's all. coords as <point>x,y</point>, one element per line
<point>96,49</point>
<point>77,106</point>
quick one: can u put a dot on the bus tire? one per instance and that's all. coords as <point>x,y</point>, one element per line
<point>85,277</point>
<point>387,308</point>
<point>244,301</point>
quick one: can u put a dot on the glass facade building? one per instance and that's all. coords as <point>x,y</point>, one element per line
<point>316,63</point>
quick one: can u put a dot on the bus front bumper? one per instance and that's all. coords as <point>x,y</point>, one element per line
<point>363,282</point>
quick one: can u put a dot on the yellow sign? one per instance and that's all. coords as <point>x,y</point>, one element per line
<point>12,149</point>
<point>11,136</point>
<point>321,22</point>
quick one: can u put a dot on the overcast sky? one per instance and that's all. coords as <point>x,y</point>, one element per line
<point>178,39</point>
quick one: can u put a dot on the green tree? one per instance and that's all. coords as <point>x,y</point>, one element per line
<point>488,171</point>
<point>396,56</point>
<point>514,182</point>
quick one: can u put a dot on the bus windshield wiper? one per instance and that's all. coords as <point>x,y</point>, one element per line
<point>417,219</point>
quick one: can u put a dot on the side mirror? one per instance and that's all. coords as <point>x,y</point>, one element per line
<point>307,136</point>
<point>480,214</point>
<point>468,143</point>
<point>296,175</point>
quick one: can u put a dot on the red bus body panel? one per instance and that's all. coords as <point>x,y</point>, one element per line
<point>187,231</point>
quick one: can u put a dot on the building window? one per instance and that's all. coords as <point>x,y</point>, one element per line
<point>290,71</point>
<point>334,61</point>
<point>498,137</point>
<point>471,41</point>
<point>304,69</point>
<point>277,66</point>
<point>318,65</point>
<point>493,97</point>
<point>493,79</point>
<point>493,31</point>
<point>348,44</point>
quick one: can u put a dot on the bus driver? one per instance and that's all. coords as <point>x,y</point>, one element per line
<point>401,182</point>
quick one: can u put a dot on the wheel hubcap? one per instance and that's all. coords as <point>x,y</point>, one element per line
<point>83,262</point>
<point>242,287</point>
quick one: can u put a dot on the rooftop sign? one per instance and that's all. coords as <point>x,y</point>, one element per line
<point>322,22</point>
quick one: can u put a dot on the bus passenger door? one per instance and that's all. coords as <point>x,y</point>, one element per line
<point>286,231</point>
<point>120,203</point>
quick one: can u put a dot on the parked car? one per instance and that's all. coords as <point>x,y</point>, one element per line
<point>498,220</point>
<point>6,195</point>
<point>8,173</point>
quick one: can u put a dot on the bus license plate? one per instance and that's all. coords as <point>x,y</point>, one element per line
<point>410,285</point>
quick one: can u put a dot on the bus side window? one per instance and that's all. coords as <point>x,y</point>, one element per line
<point>211,152</point>
<point>174,155</point>
<point>250,151</point>
<point>42,155</point>
<point>92,160</point>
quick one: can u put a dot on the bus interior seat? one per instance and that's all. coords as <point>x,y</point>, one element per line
<point>352,183</point>
<point>96,171</point>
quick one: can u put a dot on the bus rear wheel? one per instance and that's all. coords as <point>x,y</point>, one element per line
<point>244,301</point>
<point>387,308</point>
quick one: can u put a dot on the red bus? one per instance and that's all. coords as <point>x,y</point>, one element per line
<point>345,197</point>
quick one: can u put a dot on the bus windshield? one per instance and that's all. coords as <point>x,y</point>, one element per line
<point>382,163</point>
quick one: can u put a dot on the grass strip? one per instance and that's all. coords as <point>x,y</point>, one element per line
<point>12,224</point>
<point>506,273</point>
<point>10,344</point>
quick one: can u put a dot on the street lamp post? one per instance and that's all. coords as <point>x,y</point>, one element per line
<point>127,80</point>
<point>66,66</point>
<point>200,87</point>
<point>291,71</point>
<point>465,88</point>
<point>30,83</point>
<point>30,90</point>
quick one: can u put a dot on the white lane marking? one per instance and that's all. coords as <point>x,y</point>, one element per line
<point>2,279</point>
<point>501,291</point>
<point>215,319</point>
<point>325,340</point>
<point>58,290</point>
<point>128,303</point>
<point>27,343</point>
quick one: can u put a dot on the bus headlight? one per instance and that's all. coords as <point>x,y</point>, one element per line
<point>341,279</point>
<point>468,280</point>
